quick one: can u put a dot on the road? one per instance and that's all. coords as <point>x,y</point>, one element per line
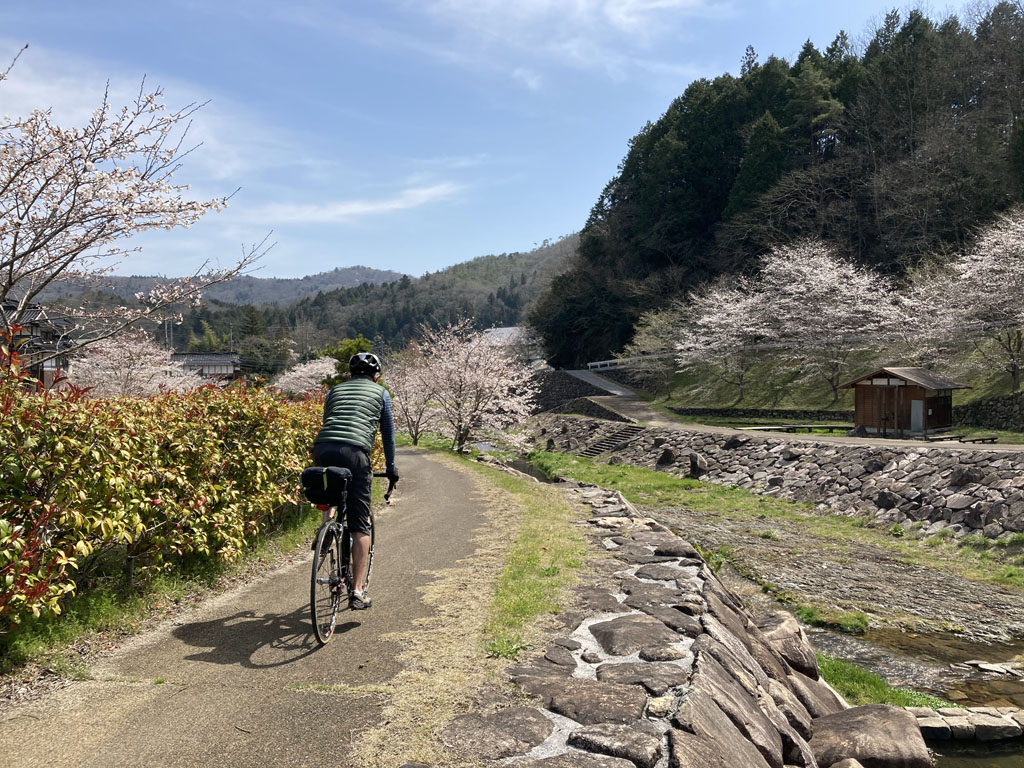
<point>230,683</point>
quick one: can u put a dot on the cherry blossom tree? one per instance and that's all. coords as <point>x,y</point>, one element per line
<point>476,382</point>
<point>130,364</point>
<point>72,196</point>
<point>724,327</point>
<point>977,298</point>
<point>407,377</point>
<point>821,309</point>
<point>306,377</point>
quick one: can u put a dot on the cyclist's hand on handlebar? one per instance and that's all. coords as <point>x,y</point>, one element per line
<point>392,474</point>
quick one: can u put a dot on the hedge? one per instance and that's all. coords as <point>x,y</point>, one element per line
<point>150,480</point>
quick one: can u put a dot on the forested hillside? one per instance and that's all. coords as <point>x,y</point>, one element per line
<point>494,290</point>
<point>243,289</point>
<point>893,155</point>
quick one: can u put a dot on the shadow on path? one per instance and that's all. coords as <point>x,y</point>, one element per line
<point>238,639</point>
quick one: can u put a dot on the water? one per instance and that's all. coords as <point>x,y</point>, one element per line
<point>979,755</point>
<point>527,468</point>
<point>921,661</point>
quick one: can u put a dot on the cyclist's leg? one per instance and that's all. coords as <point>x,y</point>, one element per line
<point>358,515</point>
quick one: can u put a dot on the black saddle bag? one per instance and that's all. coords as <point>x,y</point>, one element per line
<point>326,485</point>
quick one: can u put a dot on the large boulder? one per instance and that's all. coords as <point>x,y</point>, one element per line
<point>878,736</point>
<point>699,715</point>
<point>817,697</point>
<point>785,635</point>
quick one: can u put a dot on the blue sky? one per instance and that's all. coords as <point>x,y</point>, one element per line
<point>396,134</point>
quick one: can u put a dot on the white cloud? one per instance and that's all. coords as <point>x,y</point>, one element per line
<point>532,80</point>
<point>344,211</point>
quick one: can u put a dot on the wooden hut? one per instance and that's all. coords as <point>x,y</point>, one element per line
<point>903,401</point>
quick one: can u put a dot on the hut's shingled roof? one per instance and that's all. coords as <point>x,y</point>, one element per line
<point>920,376</point>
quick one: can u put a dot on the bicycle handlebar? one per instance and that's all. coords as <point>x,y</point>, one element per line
<point>391,486</point>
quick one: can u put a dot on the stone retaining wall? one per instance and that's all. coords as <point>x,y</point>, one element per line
<point>663,666</point>
<point>1003,412</point>
<point>964,490</point>
<point>558,387</point>
<point>584,406</point>
<point>796,416</point>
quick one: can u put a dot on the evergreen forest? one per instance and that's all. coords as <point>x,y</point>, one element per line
<point>894,155</point>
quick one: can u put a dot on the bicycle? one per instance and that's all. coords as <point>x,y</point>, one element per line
<point>331,577</point>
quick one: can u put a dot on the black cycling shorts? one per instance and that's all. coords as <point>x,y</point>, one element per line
<point>356,461</point>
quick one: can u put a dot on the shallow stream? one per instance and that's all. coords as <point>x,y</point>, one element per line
<point>922,661</point>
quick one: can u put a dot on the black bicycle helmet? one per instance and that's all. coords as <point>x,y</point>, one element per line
<point>364,364</point>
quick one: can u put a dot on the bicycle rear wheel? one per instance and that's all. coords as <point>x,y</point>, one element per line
<point>327,583</point>
<point>346,557</point>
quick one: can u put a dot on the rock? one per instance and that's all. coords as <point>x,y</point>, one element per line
<point>960,727</point>
<point>965,476</point>
<point>592,658</point>
<point>568,643</point>
<point>596,600</point>
<point>686,750</point>
<point>713,680</point>
<point>920,712</point>
<point>628,634</point>
<point>887,500</point>
<point>663,653</point>
<point>577,759</point>
<point>556,654</point>
<point>791,454</point>
<point>934,728</point>
<point>993,727</point>
<point>818,699</point>
<point>783,633</point>
<point>699,715</point>
<point>877,735</point>
<point>959,501</point>
<point>538,668</point>
<point>506,733</point>
<point>590,702</point>
<point>733,655</point>
<point>698,465</point>
<point>642,749</point>
<point>794,712</point>
<point>658,572</point>
<point>661,706</point>
<point>859,431</point>
<point>637,555</point>
<point>656,677</point>
<point>673,619</point>
<point>668,456</point>
<point>848,763</point>
<point>677,548</point>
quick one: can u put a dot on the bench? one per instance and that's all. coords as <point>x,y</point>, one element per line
<point>940,438</point>
<point>980,439</point>
<point>797,427</point>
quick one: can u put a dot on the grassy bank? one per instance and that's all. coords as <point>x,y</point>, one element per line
<point>973,557</point>
<point>859,686</point>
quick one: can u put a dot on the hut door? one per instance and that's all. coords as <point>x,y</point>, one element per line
<point>917,415</point>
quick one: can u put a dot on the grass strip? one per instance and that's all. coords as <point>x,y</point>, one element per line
<point>860,686</point>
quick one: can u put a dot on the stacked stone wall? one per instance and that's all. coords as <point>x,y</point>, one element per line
<point>965,490</point>
<point>789,414</point>
<point>556,388</point>
<point>584,406</point>
<point>1003,412</point>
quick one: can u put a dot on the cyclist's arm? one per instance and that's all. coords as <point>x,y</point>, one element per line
<point>387,432</point>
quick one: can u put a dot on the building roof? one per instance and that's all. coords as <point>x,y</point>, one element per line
<point>920,376</point>
<point>207,358</point>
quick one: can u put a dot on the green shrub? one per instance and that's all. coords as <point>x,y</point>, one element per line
<point>140,482</point>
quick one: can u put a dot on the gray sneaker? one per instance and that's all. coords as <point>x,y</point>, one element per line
<point>359,602</point>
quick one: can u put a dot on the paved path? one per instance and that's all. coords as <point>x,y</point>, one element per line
<point>235,667</point>
<point>601,382</point>
<point>633,407</point>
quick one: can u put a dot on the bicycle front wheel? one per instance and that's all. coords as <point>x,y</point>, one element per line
<point>326,586</point>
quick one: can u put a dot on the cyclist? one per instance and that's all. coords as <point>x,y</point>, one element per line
<point>352,412</point>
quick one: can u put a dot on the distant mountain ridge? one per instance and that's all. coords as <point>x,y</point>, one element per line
<point>245,289</point>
